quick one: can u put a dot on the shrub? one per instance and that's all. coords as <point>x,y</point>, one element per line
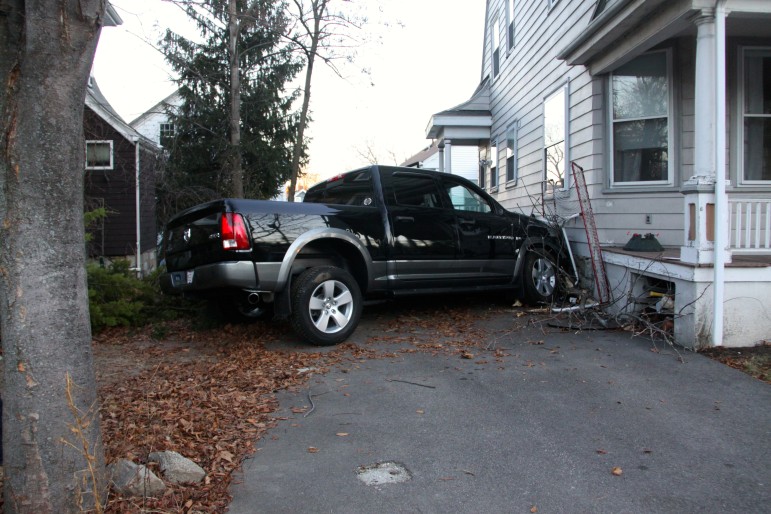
<point>117,298</point>
<point>113,296</point>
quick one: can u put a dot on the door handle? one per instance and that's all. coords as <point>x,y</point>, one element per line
<point>405,218</point>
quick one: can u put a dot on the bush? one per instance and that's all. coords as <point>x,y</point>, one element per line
<point>117,298</point>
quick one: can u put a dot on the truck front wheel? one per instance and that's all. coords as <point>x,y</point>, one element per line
<point>540,276</point>
<point>326,305</point>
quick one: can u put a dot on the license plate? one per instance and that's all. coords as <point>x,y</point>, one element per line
<point>189,277</point>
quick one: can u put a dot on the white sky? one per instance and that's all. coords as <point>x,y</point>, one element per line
<point>427,62</point>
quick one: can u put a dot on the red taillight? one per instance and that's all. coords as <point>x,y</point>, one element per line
<point>233,230</point>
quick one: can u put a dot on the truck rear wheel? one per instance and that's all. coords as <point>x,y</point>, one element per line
<point>326,305</point>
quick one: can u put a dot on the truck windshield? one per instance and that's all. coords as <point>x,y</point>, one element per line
<point>350,189</point>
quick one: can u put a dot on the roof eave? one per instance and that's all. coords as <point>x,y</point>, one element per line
<point>111,17</point>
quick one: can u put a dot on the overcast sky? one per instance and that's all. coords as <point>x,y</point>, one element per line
<point>428,60</point>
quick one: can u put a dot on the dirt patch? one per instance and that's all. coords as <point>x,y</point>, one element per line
<point>753,360</point>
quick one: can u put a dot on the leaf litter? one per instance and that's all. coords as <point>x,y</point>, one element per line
<point>210,394</point>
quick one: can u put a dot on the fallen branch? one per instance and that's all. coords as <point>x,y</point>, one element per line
<point>408,382</point>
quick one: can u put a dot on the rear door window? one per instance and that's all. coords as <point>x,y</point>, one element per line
<point>350,189</point>
<point>414,190</point>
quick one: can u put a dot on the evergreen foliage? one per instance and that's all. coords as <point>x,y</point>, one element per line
<point>200,154</point>
<point>116,298</point>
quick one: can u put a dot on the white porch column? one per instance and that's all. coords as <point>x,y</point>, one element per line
<point>441,154</point>
<point>447,156</point>
<point>704,97</point>
<point>699,190</point>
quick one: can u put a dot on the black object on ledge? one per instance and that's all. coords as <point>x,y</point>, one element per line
<point>643,243</point>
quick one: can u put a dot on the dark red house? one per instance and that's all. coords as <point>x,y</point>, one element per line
<point>120,175</point>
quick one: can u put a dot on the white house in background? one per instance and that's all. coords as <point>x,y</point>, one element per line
<point>154,124</point>
<point>640,94</point>
<point>465,160</point>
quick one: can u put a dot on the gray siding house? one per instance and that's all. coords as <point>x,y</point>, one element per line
<point>654,100</point>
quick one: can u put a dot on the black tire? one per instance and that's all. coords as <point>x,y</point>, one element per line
<point>326,305</point>
<point>540,276</point>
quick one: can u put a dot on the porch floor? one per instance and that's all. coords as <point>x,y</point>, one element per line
<point>673,255</point>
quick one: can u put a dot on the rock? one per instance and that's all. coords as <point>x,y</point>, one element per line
<point>178,469</point>
<point>134,479</point>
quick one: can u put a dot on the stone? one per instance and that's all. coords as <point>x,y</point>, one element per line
<point>178,469</point>
<point>133,479</point>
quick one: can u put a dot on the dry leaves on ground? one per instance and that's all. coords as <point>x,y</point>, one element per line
<point>208,395</point>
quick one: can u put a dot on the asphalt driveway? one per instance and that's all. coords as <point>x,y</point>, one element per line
<point>535,420</point>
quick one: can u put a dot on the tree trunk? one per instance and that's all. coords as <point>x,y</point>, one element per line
<point>318,12</point>
<point>53,455</point>
<point>237,173</point>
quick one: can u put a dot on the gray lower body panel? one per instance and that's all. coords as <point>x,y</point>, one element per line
<point>236,274</point>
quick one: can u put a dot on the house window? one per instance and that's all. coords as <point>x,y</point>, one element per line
<point>640,117</point>
<point>599,8</point>
<point>496,43</point>
<point>167,132</point>
<point>555,139</point>
<point>511,153</point>
<point>99,155</point>
<point>482,166</point>
<point>510,23</point>
<point>493,164</point>
<point>756,114</point>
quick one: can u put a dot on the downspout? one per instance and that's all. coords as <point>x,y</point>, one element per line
<point>721,201</point>
<point>138,214</point>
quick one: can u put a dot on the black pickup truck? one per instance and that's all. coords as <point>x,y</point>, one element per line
<point>371,233</point>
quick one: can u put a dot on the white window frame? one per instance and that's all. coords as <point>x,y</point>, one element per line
<point>509,25</point>
<point>565,89</point>
<point>483,154</point>
<point>670,132</point>
<point>494,168</point>
<point>740,109</point>
<point>495,47</point>
<point>170,131</point>
<point>112,154</point>
<point>512,152</point>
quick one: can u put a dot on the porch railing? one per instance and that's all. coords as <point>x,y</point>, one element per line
<point>749,225</point>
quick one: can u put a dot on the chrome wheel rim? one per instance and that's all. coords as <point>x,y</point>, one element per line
<point>331,306</point>
<point>544,276</point>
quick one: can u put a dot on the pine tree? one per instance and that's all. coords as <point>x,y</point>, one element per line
<point>235,130</point>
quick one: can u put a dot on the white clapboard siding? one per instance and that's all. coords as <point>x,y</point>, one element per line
<point>528,74</point>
